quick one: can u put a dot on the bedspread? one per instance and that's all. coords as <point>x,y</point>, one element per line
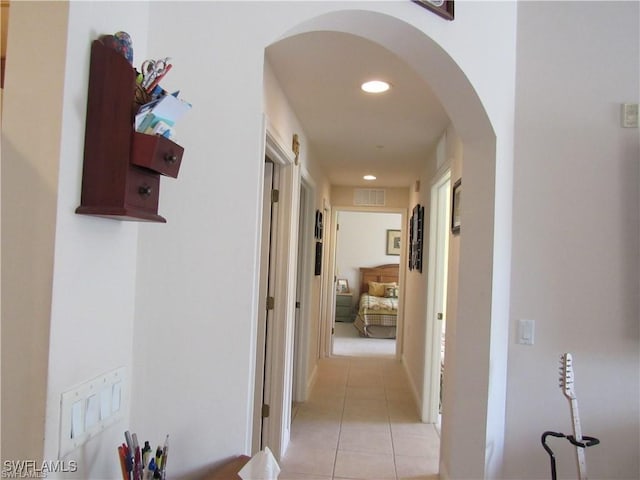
<point>377,316</point>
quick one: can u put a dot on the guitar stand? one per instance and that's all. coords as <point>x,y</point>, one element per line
<point>586,442</point>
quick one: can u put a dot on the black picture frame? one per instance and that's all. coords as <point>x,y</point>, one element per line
<point>318,262</point>
<point>416,238</point>
<point>443,8</point>
<point>456,195</point>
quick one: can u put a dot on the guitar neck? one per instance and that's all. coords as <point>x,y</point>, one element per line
<point>577,434</point>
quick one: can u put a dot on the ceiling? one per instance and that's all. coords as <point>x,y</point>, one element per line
<point>352,133</point>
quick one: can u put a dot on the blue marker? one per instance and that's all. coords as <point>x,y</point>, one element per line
<point>152,468</point>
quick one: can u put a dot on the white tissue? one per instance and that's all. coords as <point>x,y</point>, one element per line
<point>262,466</point>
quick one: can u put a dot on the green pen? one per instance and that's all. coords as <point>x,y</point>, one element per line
<point>158,458</point>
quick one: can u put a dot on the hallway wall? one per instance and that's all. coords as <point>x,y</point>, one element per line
<point>576,236</point>
<point>417,283</point>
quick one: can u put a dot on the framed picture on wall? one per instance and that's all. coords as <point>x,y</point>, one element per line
<point>455,207</point>
<point>416,233</point>
<point>393,242</point>
<point>318,261</point>
<point>319,225</point>
<point>444,8</point>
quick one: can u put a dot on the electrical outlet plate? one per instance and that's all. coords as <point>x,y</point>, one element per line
<point>89,408</point>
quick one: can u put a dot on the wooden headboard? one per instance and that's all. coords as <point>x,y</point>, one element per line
<point>382,273</point>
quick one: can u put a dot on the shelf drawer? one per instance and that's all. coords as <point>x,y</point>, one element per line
<point>156,153</point>
<point>143,189</point>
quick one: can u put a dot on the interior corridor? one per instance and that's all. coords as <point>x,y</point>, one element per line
<point>360,422</point>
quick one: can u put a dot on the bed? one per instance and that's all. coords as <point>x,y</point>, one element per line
<point>378,302</point>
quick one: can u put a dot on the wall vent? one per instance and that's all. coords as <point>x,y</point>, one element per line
<point>369,197</point>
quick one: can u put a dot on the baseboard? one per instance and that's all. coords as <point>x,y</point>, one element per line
<point>311,381</point>
<point>443,474</point>
<point>417,400</point>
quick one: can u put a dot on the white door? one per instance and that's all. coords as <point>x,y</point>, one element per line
<point>263,366</point>
<point>436,296</point>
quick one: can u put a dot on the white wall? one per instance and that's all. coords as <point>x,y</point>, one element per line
<point>575,243</point>
<point>415,326</point>
<point>94,279</point>
<point>362,242</point>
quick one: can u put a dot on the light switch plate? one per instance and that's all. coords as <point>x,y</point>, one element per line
<point>526,332</point>
<point>83,409</point>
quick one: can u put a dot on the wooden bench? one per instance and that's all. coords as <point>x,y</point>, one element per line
<point>229,470</point>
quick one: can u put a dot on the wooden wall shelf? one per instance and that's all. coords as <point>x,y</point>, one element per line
<point>122,168</point>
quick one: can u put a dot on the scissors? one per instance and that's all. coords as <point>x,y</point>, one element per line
<point>152,69</point>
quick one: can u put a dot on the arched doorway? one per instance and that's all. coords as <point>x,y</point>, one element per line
<point>476,342</point>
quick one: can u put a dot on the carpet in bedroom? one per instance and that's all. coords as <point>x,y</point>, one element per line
<point>348,342</point>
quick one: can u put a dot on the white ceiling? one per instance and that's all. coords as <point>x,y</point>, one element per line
<point>352,133</point>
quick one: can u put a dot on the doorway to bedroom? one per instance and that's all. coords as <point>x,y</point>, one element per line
<point>366,326</point>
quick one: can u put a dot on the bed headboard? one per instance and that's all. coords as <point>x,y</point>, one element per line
<point>382,273</point>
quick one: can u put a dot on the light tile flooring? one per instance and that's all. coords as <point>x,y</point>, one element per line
<point>360,423</point>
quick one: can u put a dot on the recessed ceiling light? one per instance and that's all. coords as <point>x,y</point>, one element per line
<point>375,86</point>
<point>369,177</point>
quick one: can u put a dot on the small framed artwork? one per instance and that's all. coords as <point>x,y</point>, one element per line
<point>455,207</point>
<point>393,242</point>
<point>444,8</point>
<point>319,225</point>
<point>416,229</point>
<point>342,285</point>
<point>318,260</point>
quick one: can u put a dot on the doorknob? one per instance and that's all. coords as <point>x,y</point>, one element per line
<point>440,316</point>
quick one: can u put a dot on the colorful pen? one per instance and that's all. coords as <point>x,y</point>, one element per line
<point>152,468</point>
<point>123,463</point>
<point>165,454</point>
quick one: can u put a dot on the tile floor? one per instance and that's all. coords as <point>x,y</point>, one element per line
<point>360,423</point>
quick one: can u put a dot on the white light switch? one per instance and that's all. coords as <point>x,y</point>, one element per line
<point>526,332</point>
<point>92,415</point>
<point>630,115</point>
<point>77,425</point>
<point>115,397</point>
<point>105,402</point>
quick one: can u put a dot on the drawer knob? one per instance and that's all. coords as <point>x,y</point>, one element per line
<point>145,190</point>
<point>170,158</point>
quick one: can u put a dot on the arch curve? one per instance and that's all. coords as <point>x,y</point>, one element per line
<point>473,427</point>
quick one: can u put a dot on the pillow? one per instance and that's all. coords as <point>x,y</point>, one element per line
<point>391,291</point>
<point>377,289</point>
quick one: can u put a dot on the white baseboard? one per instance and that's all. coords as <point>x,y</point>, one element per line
<point>417,400</point>
<point>311,381</point>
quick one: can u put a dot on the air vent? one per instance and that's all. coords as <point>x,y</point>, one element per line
<point>369,197</point>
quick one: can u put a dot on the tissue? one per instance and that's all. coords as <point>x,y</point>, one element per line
<point>262,466</point>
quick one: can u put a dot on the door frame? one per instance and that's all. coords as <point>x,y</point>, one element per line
<point>263,364</point>
<point>329,301</point>
<point>436,287</point>
<point>279,342</point>
<point>303,288</point>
